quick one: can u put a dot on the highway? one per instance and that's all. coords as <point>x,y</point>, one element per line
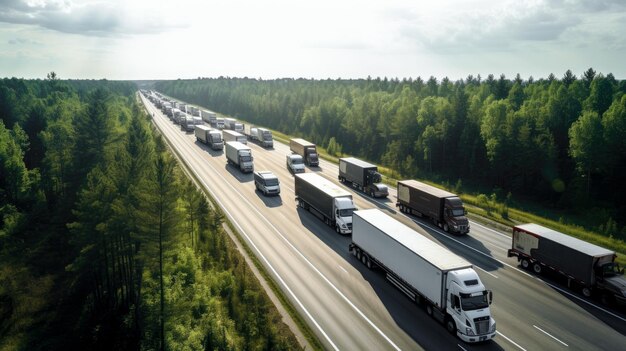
<point>352,308</point>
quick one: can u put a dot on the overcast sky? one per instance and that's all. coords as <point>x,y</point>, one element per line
<point>157,39</point>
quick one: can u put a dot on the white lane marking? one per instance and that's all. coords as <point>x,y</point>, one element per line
<point>550,335</point>
<point>511,341</point>
<point>491,230</point>
<point>306,260</point>
<point>461,347</point>
<point>343,269</point>
<point>269,265</point>
<point>436,230</point>
<point>491,274</point>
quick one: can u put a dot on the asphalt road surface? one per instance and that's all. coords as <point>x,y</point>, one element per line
<point>352,308</point>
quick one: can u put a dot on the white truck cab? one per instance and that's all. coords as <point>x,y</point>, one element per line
<point>343,214</point>
<point>468,306</point>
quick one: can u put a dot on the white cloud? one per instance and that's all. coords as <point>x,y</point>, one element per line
<point>132,39</point>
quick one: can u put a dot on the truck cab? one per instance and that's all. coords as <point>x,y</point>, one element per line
<point>267,183</point>
<point>343,214</point>
<point>312,158</point>
<point>215,139</point>
<point>454,216</point>
<point>295,164</point>
<point>469,315</point>
<point>610,279</point>
<point>219,122</point>
<point>245,161</point>
<point>238,128</point>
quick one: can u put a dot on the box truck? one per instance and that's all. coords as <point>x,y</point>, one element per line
<point>586,266</point>
<point>202,134</point>
<point>210,117</point>
<point>428,273</point>
<point>307,150</point>
<point>263,136</point>
<point>239,155</point>
<point>231,135</point>
<point>363,176</point>
<point>328,201</point>
<point>443,208</point>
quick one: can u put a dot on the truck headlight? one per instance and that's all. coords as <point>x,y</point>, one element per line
<point>344,226</point>
<point>493,328</point>
<point>469,331</point>
<point>455,227</point>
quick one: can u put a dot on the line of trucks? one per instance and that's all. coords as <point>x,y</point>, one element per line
<point>445,284</point>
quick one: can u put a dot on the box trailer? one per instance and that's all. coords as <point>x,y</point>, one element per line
<point>445,209</point>
<point>332,204</point>
<point>443,282</point>
<point>363,176</point>
<point>584,265</point>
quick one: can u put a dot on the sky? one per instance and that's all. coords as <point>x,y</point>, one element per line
<point>156,39</point>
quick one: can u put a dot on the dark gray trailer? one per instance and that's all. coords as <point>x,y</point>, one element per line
<point>585,265</point>
<point>445,209</point>
<point>306,149</point>
<point>363,176</point>
<point>331,202</point>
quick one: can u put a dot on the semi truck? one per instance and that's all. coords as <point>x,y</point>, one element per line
<point>307,150</point>
<point>584,265</point>
<point>209,136</point>
<point>263,136</point>
<point>444,283</point>
<point>443,208</point>
<point>202,134</point>
<point>328,201</point>
<point>231,135</point>
<point>187,123</point>
<point>194,111</point>
<point>363,176</point>
<point>232,124</point>
<point>239,155</point>
<point>210,117</point>
<point>219,123</point>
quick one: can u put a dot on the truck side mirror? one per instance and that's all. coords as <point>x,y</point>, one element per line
<point>490,297</point>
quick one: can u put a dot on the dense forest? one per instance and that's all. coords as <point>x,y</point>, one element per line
<point>104,242</point>
<point>555,142</point>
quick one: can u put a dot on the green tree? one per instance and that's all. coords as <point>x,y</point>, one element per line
<point>586,144</point>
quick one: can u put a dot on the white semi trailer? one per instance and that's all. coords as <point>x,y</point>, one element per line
<point>443,282</point>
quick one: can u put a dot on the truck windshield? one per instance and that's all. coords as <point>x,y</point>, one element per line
<point>469,303</point>
<point>458,212</point>
<point>296,161</point>
<point>611,270</point>
<point>346,212</point>
<point>267,136</point>
<point>313,156</point>
<point>246,158</point>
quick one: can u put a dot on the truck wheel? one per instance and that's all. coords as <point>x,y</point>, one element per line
<point>358,254</point>
<point>446,228</point>
<point>525,264</point>
<point>364,259</point>
<point>337,229</point>
<point>372,193</point>
<point>429,309</point>
<point>537,268</point>
<point>369,263</point>
<point>451,326</point>
<point>587,291</point>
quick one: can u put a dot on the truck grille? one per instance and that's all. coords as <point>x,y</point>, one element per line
<point>482,325</point>
<point>462,228</point>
